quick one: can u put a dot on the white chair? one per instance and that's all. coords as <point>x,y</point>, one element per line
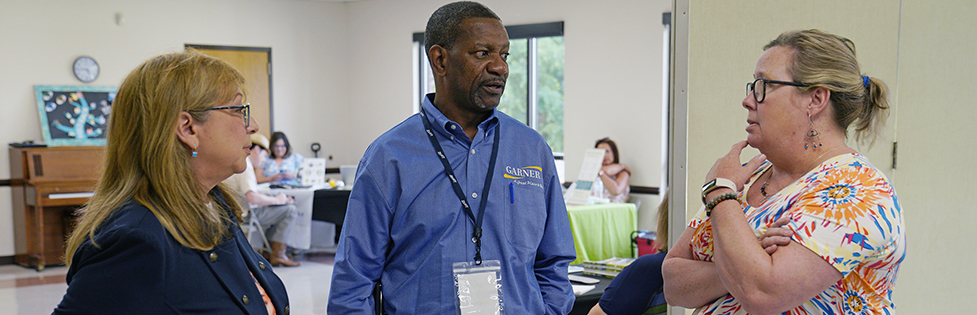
<point>254,227</point>
<point>251,226</point>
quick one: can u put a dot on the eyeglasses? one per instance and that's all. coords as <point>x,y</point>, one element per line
<point>760,93</point>
<point>245,111</point>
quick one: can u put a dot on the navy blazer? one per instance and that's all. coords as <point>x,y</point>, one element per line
<point>139,268</point>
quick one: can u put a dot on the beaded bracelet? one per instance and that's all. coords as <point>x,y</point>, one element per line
<point>715,201</point>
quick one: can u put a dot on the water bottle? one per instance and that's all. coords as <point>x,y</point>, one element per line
<point>598,190</point>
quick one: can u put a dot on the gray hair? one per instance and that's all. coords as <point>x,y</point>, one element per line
<point>442,28</point>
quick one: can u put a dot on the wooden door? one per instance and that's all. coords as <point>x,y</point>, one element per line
<point>255,64</point>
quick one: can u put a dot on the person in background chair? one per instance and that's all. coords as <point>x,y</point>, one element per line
<point>614,175</point>
<point>632,291</point>
<point>259,151</point>
<point>161,235</point>
<point>840,214</point>
<point>459,185</point>
<point>276,214</point>
<point>281,168</point>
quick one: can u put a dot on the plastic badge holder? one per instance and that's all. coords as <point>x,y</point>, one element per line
<point>479,287</point>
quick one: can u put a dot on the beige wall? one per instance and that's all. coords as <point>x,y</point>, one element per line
<point>920,51</point>
<point>937,150</point>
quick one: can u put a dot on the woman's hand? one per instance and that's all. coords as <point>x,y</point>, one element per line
<point>729,166</point>
<point>287,175</point>
<point>776,235</point>
<point>621,180</point>
<point>283,176</point>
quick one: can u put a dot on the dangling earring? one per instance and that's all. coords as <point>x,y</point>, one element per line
<point>194,154</point>
<point>813,136</point>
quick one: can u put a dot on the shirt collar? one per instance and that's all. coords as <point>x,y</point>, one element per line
<point>444,124</point>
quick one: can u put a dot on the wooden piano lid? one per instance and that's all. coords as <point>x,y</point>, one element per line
<point>63,163</point>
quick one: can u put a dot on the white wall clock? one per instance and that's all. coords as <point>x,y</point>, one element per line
<point>85,69</point>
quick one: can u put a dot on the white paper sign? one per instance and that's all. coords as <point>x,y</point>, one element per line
<point>592,162</point>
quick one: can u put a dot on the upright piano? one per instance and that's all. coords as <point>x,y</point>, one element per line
<point>48,185</point>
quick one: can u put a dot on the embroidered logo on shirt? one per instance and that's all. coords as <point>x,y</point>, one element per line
<point>523,172</point>
<point>527,175</point>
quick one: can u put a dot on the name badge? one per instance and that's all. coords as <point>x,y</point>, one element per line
<point>479,287</point>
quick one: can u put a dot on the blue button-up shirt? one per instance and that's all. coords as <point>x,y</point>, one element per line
<point>405,225</point>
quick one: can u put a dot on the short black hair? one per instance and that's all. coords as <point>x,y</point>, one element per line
<point>442,28</point>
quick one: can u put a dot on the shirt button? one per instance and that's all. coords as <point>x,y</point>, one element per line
<point>213,257</point>
<point>244,299</point>
<point>453,127</point>
<point>452,137</point>
<point>474,195</point>
<point>261,265</point>
<point>473,151</point>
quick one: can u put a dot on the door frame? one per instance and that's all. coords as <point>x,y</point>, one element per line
<point>267,50</point>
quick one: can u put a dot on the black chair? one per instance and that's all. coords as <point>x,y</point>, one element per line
<point>329,205</point>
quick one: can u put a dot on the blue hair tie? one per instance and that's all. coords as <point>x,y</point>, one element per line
<point>865,81</point>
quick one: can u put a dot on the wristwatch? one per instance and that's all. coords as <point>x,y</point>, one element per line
<point>717,183</point>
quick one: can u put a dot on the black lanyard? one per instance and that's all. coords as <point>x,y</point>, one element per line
<point>477,233</point>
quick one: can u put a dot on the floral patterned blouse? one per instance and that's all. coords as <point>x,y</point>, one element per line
<point>292,163</point>
<point>844,210</point>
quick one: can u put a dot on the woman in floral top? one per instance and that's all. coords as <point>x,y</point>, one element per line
<point>809,226</point>
<point>282,166</point>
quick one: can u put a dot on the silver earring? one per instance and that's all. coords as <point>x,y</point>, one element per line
<point>813,136</point>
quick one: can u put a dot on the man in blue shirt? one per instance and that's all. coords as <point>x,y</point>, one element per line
<point>408,223</point>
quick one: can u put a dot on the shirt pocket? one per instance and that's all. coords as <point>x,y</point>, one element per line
<point>525,216</point>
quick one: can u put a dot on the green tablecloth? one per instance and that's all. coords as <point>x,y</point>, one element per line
<point>602,231</point>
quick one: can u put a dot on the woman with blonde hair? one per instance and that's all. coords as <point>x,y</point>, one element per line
<point>838,214</point>
<point>160,235</point>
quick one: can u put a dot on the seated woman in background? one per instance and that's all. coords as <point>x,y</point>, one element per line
<point>614,175</point>
<point>283,165</point>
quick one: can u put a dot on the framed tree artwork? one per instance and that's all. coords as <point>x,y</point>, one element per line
<point>74,115</point>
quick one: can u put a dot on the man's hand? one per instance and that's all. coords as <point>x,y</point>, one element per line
<point>281,199</point>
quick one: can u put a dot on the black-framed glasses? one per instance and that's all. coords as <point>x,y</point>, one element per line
<point>759,94</point>
<point>245,111</point>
